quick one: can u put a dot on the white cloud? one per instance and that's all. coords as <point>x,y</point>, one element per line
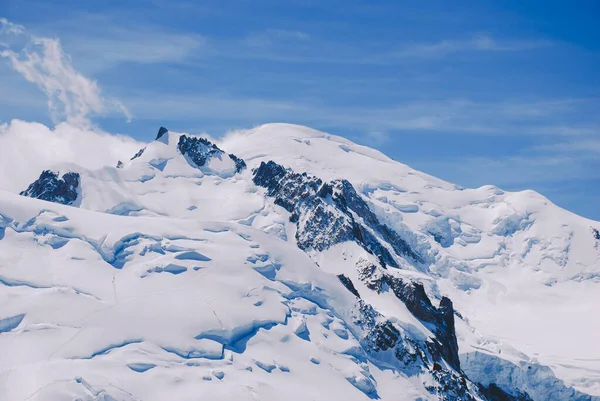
<point>7,27</point>
<point>28,148</point>
<point>72,97</point>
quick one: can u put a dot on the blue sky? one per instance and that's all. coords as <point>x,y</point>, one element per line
<point>481,92</point>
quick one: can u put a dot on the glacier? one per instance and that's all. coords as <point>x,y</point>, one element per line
<point>299,266</point>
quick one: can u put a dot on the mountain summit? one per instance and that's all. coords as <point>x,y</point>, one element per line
<point>300,266</point>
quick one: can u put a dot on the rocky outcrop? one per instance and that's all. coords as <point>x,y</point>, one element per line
<point>50,187</point>
<point>348,284</point>
<point>240,164</point>
<point>200,150</point>
<point>439,320</point>
<point>329,213</point>
<point>388,344</point>
<point>138,154</point>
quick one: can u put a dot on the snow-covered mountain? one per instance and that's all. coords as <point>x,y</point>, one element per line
<point>285,263</point>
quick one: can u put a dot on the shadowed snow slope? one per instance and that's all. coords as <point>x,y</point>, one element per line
<point>299,266</point>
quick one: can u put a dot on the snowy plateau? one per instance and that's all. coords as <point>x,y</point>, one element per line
<point>283,263</point>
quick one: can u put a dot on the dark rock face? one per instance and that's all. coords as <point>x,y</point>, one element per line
<point>387,343</point>
<point>495,393</point>
<point>50,187</point>
<point>201,150</point>
<point>119,164</point>
<point>240,164</point>
<point>327,214</point>
<point>439,320</point>
<point>161,132</point>
<point>138,154</point>
<point>595,233</point>
<point>348,284</point>
<point>449,386</point>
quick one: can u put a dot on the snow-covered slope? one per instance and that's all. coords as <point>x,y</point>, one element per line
<point>298,266</point>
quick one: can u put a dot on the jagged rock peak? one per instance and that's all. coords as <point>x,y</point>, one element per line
<point>50,187</point>
<point>325,213</point>
<point>161,132</point>
<point>201,150</point>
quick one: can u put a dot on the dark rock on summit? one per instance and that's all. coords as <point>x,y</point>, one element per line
<point>201,150</point>
<point>198,150</point>
<point>327,214</point>
<point>161,132</point>
<point>595,233</point>
<point>50,187</point>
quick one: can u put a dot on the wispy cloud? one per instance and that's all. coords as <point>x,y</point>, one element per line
<point>477,43</point>
<point>295,47</point>
<point>221,107</point>
<point>72,97</point>
<point>539,118</point>
<point>580,147</point>
<point>272,36</point>
<point>556,118</point>
<point>378,138</point>
<point>513,172</point>
<point>7,27</point>
<point>142,45</point>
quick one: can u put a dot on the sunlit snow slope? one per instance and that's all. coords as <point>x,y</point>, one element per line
<point>286,263</point>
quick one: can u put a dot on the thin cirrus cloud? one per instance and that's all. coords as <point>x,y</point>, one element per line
<point>274,45</point>
<point>72,97</point>
<point>516,172</point>
<point>477,43</point>
<point>142,46</point>
<point>558,118</point>
<point>271,36</point>
<point>585,148</point>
